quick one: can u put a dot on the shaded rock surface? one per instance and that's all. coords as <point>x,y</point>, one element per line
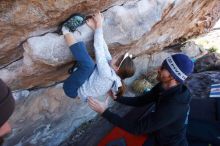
<point>149,26</point>
<point>199,83</point>
<point>23,19</point>
<point>189,46</point>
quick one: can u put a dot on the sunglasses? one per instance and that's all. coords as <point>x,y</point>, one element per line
<point>125,56</point>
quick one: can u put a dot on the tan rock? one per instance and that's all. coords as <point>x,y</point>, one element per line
<point>20,20</point>
<point>46,117</point>
<point>136,26</point>
<point>32,55</point>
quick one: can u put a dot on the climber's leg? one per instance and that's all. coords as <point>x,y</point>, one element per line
<point>85,67</point>
<point>85,64</point>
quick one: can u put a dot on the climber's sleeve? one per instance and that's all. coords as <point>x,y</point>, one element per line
<point>107,53</point>
<point>102,63</point>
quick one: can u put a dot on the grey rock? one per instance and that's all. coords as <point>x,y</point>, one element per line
<point>210,61</point>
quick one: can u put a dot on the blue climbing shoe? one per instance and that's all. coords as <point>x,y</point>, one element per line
<point>74,22</point>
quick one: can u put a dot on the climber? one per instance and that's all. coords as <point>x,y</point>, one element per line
<point>7,105</point>
<point>166,126</point>
<point>88,78</point>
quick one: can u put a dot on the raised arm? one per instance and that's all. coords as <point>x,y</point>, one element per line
<point>107,53</point>
<point>102,63</point>
<point>92,24</point>
<point>101,60</point>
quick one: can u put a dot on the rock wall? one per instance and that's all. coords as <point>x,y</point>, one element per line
<point>34,59</point>
<point>46,117</point>
<point>136,26</point>
<point>23,19</point>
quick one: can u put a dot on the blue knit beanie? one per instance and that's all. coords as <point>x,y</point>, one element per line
<point>179,66</point>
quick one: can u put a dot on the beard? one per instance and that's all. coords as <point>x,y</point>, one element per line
<point>163,79</point>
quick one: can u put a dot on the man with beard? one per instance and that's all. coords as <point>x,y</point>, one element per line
<point>7,105</point>
<point>167,124</point>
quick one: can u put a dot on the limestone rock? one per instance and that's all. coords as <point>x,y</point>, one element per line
<point>157,59</point>
<point>23,19</point>
<point>35,58</point>
<point>136,26</point>
<point>46,117</point>
<point>25,74</point>
<point>54,51</point>
<point>189,46</point>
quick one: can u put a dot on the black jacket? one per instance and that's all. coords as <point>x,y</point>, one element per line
<point>167,123</point>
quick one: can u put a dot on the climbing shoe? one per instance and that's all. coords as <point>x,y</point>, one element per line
<point>73,22</point>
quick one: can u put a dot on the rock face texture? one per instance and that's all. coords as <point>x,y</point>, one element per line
<point>136,26</point>
<point>46,117</point>
<point>34,59</point>
<point>200,83</point>
<point>210,61</point>
<point>23,19</point>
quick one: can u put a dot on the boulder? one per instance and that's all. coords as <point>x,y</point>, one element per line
<point>199,83</point>
<point>208,62</point>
